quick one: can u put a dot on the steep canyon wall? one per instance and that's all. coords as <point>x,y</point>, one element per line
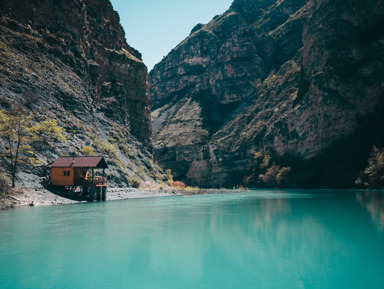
<point>69,60</point>
<point>301,81</point>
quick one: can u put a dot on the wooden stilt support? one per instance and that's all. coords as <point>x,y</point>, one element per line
<point>92,193</point>
<point>85,193</point>
<point>98,194</point>
<point>104,194</point>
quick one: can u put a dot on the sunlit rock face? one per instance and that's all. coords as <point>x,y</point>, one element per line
<point>296,78</point>
<point>69,60</point>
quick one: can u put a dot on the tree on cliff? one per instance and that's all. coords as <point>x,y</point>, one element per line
<point>14,131</point>
<point>267,171</point>
<point>47,131</point>
<point>17,132</point>
<point>88,151</point>
<point>4,182</point>
<point>374,172</point>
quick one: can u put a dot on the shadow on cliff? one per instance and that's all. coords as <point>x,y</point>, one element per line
<point>341,164</point>
<point>214,114</point>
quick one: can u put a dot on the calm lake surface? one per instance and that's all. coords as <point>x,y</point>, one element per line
<point>251,239</point>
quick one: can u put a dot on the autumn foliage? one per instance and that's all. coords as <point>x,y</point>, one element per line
<point>177,184</point>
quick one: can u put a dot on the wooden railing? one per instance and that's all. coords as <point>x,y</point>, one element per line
<point>96,181</point>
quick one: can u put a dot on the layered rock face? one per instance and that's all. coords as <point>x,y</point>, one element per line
<point>69,60</point>
<point>298,79</point>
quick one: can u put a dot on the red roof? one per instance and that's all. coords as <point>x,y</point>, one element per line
<point>80,162</point>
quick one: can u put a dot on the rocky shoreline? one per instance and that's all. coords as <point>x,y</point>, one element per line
<point>42,197</point>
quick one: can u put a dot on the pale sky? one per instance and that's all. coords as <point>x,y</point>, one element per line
<point>155,27</point>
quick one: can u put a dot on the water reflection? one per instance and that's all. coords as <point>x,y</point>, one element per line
<point>262,239</point>
<point>270,210</point>
<point>373,202</point>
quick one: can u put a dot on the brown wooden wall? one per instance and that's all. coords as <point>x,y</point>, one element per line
<point>78,178</point>
<point>58,178</point>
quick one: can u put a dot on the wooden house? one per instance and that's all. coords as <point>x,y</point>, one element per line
<point>78,171</point>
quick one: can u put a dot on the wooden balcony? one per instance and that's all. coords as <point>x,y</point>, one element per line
<point>96,181</point>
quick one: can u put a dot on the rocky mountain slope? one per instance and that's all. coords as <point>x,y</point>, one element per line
<point>271,87</point>
<point>69,60</point>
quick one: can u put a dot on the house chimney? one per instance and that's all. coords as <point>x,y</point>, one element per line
<point>73,158</point>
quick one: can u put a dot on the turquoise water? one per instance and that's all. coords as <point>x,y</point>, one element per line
<point>257,239</point>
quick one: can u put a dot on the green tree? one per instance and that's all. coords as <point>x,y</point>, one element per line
<point>47,131</point>
<point>14,131</point>
<point>17,133</point>
<point>134,181</point>
<point>4,182</point>
<point>283,176</point>
<point>169,175</point>
<point>374,172</point>
<point>88,151</point>
<point>270,175</point>
<point>266,162</point>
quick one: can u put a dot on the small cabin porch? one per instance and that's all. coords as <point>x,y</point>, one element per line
<point>80,172</point>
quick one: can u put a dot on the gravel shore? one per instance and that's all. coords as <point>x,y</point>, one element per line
<point>43,197</point>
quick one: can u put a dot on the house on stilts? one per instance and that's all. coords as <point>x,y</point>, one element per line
<point>80,174</point>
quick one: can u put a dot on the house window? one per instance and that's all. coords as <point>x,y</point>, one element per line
<point>67,173</point>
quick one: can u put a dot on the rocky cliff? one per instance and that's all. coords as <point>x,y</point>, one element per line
<point>69,60</point>
<point>272,85</point>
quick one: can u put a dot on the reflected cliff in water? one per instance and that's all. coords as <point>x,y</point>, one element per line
<point>373,202</point>
<point>257,239</point>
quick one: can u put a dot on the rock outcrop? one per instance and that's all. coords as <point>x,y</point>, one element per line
<point>69,60</point>
<point>301,81</point>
